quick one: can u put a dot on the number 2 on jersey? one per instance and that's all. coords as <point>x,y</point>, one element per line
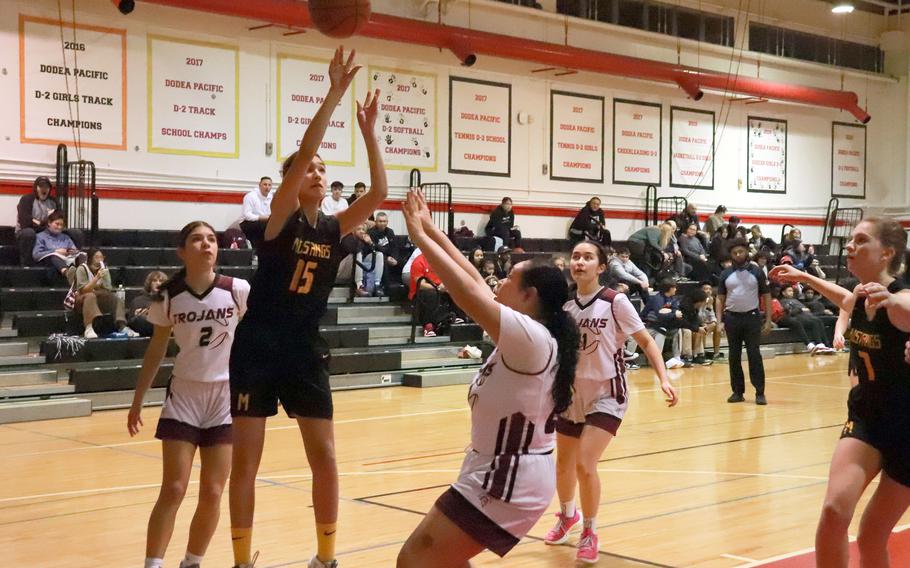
<point>870,372</point>
<point>303,278</point>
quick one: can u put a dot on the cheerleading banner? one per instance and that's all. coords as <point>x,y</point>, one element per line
<point>637,142</point>
<point>72,84</point>
<point>848,160</point>
<point>480,132</point>
<point>576,137</point>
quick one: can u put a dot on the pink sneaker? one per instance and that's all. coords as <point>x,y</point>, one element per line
<point>560,533</point>
<point>587,547</point>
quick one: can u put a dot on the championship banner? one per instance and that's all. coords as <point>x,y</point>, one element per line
<point>766,170</point>
<point>193,87</point>
<point>407,118</point>
<point>848,160</point>
<point>480,131</point>
<point>71,87</point>
<point>691,148</point>
<point>637,142</point>
<point>576,137</point>
<point>302,86</point>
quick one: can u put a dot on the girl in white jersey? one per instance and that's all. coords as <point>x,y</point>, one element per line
<point>507,478</point>
<point>605,320</point>
<point>202,309</point>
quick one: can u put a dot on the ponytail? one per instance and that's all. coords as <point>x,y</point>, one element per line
<point>553,292</point>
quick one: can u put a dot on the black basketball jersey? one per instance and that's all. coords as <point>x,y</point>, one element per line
<point>297,270</point>
<point>877,348</point>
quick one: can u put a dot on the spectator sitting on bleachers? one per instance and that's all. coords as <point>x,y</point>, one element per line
<point>693,330</point>
<point>559,262</point>
<point>663,319</point>
<point>792,235</point>
<point>800,319</point>
<point>622,269</point>
<point>96,295</point>
<point>709,320</point>
<point>31,219</point>
<point>501,229</point>
<point>589,224</point>
<point>139,307</point>
<point>732,228</point>
<point>334,203</point>
<point>360,188</point>
<point>689,216</point>
<point>763,259</point>
<point>800,257</point>
<point>257,208</point>
<point>676,267</point>
<point>369,265</point>
<point>648,247</point>
<point>476,258</point>
<point>55,248</point>
<point>488,273</point>
<point>817,304</point>
<point>717,247</point>
<point>463,230</point>
<point>503,262</point>
<point>759,243</point>
<point>406,269</point>
<point>428,294</point>
<point>715,221</point>
<point>694,252</point>
<point>384,241</point>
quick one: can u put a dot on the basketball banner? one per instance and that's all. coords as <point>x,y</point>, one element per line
<point>848,160</point>
<point>480,132</point>
<point>407,118</point>
<point>637,142</point>
<point>302,86</point>
<point>193,90</point>
<point>766,170</point>
<point>576,137</point>
<point>691,148</point>
<point>71,87</point>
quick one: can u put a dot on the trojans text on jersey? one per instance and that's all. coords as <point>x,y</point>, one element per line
<point>220,316</point>
<point>592,323</point>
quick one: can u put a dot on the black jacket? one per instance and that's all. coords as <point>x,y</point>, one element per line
<point>500,223</point>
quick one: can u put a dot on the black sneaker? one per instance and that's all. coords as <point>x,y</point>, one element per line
<point>719,356</point>
<point>700,360</point>
<point>736,397</point>
<point>760,400</point>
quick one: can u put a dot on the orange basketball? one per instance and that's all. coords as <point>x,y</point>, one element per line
<point>339,18</point>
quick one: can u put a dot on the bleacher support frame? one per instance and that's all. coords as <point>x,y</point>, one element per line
<point>656,208</point>
<point>77,193</point>
<point>838,227</point>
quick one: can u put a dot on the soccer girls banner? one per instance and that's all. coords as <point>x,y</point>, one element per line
<point>193,91</point>
<point>848,160</point>
<point>691,148</point>
<point>766,170</point>
<point>72,87</point>
<point>302,86</point>
<point>576,137</point>
<point>407,117</point>
<point>480,131</point>
<point>637,142</point>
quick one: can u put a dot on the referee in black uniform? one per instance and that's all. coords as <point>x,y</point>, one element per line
<point>738,295</point>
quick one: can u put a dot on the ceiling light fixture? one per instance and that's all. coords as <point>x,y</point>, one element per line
<point>842,8</point>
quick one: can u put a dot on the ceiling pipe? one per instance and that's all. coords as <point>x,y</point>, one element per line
<point>464,42</point>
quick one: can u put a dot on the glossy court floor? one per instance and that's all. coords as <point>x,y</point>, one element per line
<point>705,484</point>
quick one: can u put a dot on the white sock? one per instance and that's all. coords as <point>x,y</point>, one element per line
<point>590,524</point>
<point>154,563</point>
<point>568,508</point>
<point>811,345</point>
<point>191,559</point>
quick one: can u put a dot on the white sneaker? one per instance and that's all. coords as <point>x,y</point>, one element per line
<point>130,332</point>
<point>315,562</point>
<point>674,363</point>
<point>812,348</point>
<point>90,332</point>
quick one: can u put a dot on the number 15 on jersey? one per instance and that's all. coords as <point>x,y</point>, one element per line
<point>304,275</point>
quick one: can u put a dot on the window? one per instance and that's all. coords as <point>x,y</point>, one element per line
<point>631,13</point>
<point>817,48</point>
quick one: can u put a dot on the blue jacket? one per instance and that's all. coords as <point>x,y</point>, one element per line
<point>46,243</point>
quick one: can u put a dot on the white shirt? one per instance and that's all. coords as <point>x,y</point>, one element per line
<point>604,327</point>
<point>332,207</point>
<point>510,396</point>
<point>255,205</point>
<point>203,326</point>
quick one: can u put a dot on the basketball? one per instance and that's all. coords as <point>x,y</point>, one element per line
<point>339,18</point>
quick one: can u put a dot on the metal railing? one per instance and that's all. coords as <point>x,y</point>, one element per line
<point>77,193</point>
<point>839,227</point>
<point>666,207</point>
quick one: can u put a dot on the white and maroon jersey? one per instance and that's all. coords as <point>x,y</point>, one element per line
<point>511,404</point>
<point>605,320</point>
<point>203,325</point>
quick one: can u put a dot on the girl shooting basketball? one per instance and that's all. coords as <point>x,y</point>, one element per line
<point>202,309</point>
<point>507,478</point>
<point>605,320</point>
<point>874,438</point>
<point>279,355</point>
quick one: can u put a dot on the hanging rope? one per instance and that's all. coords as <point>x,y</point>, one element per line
<point>77,136</point>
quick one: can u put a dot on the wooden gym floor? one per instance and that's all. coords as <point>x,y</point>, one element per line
<point>705,484</point>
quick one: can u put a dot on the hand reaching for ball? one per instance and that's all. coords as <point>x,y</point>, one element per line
<point>342,72</point>
<point>367,112</point>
